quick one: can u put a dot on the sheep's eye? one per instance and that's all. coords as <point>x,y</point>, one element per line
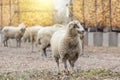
<point>75,26</point>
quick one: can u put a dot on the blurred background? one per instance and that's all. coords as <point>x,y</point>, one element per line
<point>92,13</point>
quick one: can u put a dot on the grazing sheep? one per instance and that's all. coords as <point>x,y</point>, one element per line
<point>44,35</point>
<point>11,32</point>
<point>31,34</point>
<point>66,44</point>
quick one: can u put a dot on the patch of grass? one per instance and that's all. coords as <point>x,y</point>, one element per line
<point>99,73</point>
<point>49,75</point>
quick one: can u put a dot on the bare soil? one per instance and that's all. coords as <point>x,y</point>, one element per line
<point>22,59</point>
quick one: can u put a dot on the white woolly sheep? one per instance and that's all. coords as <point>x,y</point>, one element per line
<point>44,35</point>
<point>31,34</point>
<point>66,44</point>
<point>11,32</point>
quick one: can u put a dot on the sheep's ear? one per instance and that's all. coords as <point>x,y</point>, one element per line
<point>76,26</point>
<point>71,25</point>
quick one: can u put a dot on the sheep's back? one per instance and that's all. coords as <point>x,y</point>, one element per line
<point>55,41</point>
<point>10,31</point>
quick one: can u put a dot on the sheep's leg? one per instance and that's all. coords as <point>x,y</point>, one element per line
<point>16,43</point>
<point>71,64</point>
<point>45,52</point>
<point>19,43</point>
<point>65,65</point>
<point>57,61</point>
<point>43,49</point>
<point>28,39</point>
<point>83,46</point>
<point>6,42</point>
<point>32,43</point>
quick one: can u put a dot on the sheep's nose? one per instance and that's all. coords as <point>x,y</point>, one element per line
<point>82,31</point>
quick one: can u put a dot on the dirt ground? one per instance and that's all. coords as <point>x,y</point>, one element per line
<point>19,59</point>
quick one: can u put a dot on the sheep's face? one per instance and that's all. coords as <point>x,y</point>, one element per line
<point>22,30</point>
<point>80,28</point>
<point>76,26</point>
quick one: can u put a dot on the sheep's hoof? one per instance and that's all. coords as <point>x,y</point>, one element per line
<point>67,72</point>
<point>58,73</point>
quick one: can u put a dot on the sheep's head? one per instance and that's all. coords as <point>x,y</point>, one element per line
<point>75,27</point>
<point>23,30</point>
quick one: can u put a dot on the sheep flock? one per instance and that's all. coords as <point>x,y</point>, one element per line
<point>65,41</point>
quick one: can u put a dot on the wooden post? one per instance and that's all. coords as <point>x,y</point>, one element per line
<point>10,11</point>
<point>96,14</point>
<point>102,3</point>
<point>110,14</point>
<point>69,11</point>
<point>1,13</point>
<point>18,11</point>
<point>83,10</point>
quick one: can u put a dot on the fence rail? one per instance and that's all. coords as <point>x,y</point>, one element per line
<point>102,39</point>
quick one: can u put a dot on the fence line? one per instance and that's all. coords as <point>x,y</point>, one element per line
<point>98,39</point>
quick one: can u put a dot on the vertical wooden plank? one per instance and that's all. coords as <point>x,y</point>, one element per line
<point>110,14</point>
<point>113,39</point>
<point>118,39</point>
<point>90,38</point>
<point>10,11</point>
<point>83,10</point>
<point>18,12</point>
<point>98,38</point>
<point>106,39</point>
<point>96,15</point>
<point>1,13</point>
<point>102,3</point>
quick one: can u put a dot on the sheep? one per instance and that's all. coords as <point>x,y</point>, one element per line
<point>31,34</point>
<point>66,44</point>
<point>44,35</point>
<point>12,32</point>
